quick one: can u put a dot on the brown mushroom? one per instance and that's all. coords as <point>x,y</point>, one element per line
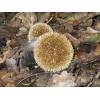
<point>38,29</point>
<point>53,52</point>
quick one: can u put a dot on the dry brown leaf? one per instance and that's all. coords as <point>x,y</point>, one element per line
<point>97,50</point>
<point>91,30</point>
<point>13,43</point>
<point>27,19</point>
<point>7,78</point>
<point>6,54</point>
<point>10,85</point>
<point>2,73</point>
<point>64,79</point>
<point>44,17</point>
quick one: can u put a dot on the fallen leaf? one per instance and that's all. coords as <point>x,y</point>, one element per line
<point>63,80</point>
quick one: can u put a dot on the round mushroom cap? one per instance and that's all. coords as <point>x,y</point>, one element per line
<point>38,29</point>
<point>53,52</point>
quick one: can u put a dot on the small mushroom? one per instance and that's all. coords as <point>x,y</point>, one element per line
<point>53,52</point>
<point>38,29</point>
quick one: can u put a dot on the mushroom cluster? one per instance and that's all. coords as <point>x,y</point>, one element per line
<point>52,51</point>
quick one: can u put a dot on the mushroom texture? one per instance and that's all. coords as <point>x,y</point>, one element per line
<point>53,52</point>
<point>38,29</point>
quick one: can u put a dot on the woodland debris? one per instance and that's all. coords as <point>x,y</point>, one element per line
<point>27,19</point>
<point>64,79</point>
<point>17,64</point>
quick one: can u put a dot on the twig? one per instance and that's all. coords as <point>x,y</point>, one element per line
<point>31,75</point>
<point>75,41</point>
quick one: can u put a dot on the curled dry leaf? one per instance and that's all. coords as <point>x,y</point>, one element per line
<point>91,30</point>
<point>80,15</point>
<point>22,31</point>
<point>27,19</point>
<point>45,17</point>
<point>74,40</point>
<point>64,79</point>
<point>69,28</point>
<point>7,78</point>
<point>6,54</point>
<point>13,43</point>
<point>72,18</point>
<point>2,73</point>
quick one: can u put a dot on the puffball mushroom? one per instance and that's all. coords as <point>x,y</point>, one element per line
<point>53,52</point>
<point>38,29</point>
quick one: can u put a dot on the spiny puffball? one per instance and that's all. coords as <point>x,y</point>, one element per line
<point>53,52</point>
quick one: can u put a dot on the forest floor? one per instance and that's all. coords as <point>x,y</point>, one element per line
<point>18,69</point>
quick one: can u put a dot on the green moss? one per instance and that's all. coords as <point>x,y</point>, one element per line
<point>95,38</point>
